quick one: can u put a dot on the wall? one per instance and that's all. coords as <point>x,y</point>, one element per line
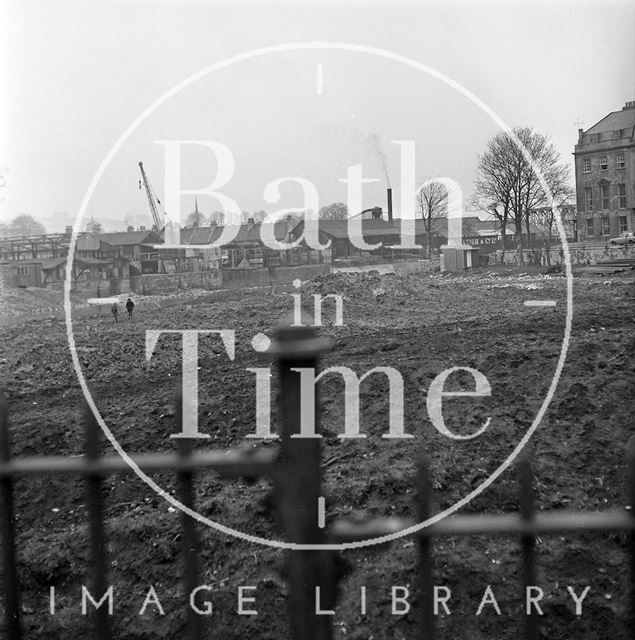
<point>152,284</point>
<point>580,254</point>
<point>401,267</point>
<point>272,275</point>
<point>166,283</point>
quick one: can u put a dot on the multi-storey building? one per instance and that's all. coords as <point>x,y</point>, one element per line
<point>605,176</point>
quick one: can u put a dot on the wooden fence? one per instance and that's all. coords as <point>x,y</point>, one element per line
<point>295,471</point>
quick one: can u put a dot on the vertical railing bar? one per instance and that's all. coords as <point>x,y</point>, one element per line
<point>528,541</point>
<point>190,544</point>
<point>631,496</point>
<point>98,549</point>
<point>298,488</point>
<point>426,586</point>
<point>7,532</point>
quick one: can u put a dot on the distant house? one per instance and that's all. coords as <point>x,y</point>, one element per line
<point>127,251</point>
<point>247,250</point>
<point>54,269</point>
<point>197,237</point>
<point>131,244</point>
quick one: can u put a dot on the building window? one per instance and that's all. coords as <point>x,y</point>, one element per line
<point>587,165</point>
<point>588,199</point>
<point>604,163</point>
<point>606,226</point>
<point>622,223</point>
<point>604,192</point>
<point>589,226</point>
<point>621,163</point>
<point>621,195</point>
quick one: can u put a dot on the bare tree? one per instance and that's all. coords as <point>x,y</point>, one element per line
<point>195,219</point>
<point>94,227</point>
<point>545,217</point>
<point>432,204</point>
<point>217,217</point>
<point>335,211</point>
<point>509,185</point>
<point>494,181</point>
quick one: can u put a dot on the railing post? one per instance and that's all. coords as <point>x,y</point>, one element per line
<point>7,532</point>
<point>190,545</point>
<point>426,586</point>
<point>631,495</point>
<point>298,488</point>
<point>528,540</point>
<point>98,548</point>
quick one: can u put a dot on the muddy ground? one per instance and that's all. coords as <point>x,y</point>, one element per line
<point>418,325</point>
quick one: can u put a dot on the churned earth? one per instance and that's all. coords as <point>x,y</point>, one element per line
<point>420,326</point>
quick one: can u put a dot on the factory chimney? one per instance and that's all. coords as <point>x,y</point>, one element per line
<point>389,205</point>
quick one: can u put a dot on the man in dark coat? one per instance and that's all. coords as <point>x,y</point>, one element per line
<point>129,307</point>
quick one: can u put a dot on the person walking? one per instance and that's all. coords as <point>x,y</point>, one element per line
<point>115,311</point>
<point>129,308</point>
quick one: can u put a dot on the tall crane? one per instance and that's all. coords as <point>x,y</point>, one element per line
<point>153,201</point>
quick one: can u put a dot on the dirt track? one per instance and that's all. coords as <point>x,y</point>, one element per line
<point>421,326</point>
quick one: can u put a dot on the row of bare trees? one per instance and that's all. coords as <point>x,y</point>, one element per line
<point>509,185</point>
<point>521,184</point>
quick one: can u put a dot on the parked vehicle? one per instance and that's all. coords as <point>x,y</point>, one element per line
<point>626,237</point>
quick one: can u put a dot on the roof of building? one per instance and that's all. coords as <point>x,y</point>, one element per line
<point>53,263</point>
<point>339,229</point>
<point>249,233</point>
<point>20,263</point>
<point>197,235</point>
<point>615,120</point>
<point>121,238</point>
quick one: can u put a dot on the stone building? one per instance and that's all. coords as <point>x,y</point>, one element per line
<point>605,176</point>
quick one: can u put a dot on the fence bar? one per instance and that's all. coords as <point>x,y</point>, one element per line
<point>98,549</point>
<point>528,542</point>
<point>298,489</point>
<point>499,524</point>
<point>190,546</point>
<point>631,492</point>
<point>230,463</point>
<point>7,533</point>
<point>426,584</point>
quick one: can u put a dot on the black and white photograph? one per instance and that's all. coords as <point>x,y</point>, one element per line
<point>317,320</point>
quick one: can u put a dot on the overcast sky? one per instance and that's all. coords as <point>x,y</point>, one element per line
<point>77,74</point>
